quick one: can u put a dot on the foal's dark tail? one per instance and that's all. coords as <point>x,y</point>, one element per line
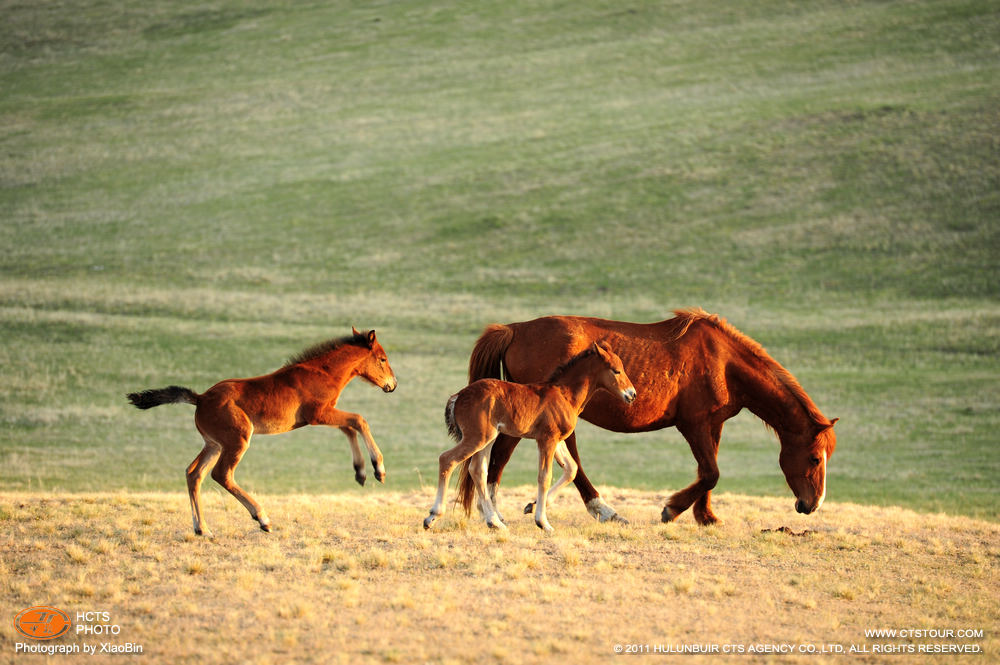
<point>147,399</point>
<point>485,362</point>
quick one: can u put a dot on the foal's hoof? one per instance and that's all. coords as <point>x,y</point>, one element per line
<point>204,533</point>
<point>360,478</point>
<point>265,527</point>
<point>429,520</point>
<point>530,508</point>
<point>668,514</point>
<point>379,475</point>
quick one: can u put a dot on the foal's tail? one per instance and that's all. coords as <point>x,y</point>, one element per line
<point>486,362</point>
<point>466,490</point>
<point>147,399</point>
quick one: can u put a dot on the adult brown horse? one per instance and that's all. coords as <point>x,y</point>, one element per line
<point>545,411</point>
<point>694,371</point>
<point>303,392</point>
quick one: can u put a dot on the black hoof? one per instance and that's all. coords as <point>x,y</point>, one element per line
<point>361,478</point>
<point>530,508</point>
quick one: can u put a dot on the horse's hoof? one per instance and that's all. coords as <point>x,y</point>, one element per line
<point>616,518</point>
<point>530,508</point>
<point>204,533</point>
<point>361,478</point>
<point>380,475</point>
<point>668,514</point>
<point>428,521</point>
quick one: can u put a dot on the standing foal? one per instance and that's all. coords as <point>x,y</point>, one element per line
<point>546,412</point>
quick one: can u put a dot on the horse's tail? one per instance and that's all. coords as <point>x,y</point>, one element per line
<point>147,399</point>
<point>486,361</point>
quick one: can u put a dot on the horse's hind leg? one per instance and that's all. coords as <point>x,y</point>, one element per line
<point>195,474</point>
<point>359,461</point>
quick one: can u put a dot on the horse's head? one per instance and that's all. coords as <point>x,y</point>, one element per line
<point>375,366</point>
<point>614,379</point>
<point>804,464</point>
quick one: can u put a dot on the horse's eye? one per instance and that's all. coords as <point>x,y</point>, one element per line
<point>814,460</point>
<point>616,372</point>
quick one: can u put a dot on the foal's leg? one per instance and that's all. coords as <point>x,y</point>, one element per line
<point>232,453</point>
<point>471,443</point>
<point>546,451</point>
<point>336,418</point>
<point>503,448</point>
<point>195,474</point>
<point>477,470</point>
<point>704,442</point>
<point>359,462</point>
<point>569,467</point>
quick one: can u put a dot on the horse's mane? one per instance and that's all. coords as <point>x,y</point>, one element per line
<point>562,369</point>
<point>686,317</point>
<point>323,348</point>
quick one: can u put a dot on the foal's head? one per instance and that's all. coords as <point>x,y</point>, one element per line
<point>375,366</point>
<point>612,375</point>
<point>804,465</point>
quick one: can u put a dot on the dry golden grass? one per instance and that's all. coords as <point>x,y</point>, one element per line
<point>346,578</point>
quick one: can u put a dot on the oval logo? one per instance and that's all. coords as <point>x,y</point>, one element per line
<point>41,622</point>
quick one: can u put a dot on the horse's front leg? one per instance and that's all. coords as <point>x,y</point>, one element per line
<point>704,442</point>
<point>359,461</point>
<point>346,420</point>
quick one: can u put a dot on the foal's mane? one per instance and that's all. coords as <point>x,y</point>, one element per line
<point>562,369</point>
<point>323,348</point>
<point>685,317</point>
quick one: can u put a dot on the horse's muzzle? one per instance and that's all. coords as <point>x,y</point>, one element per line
<point>803,507</point>
<point>628,395</point>
<point>389,387</point>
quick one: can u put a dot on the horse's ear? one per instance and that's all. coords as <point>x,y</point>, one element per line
<point>355,332</point>
<point>834,422</point>
<point>371,339</point>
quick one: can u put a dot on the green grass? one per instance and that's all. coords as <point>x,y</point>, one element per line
<point>194,191</point>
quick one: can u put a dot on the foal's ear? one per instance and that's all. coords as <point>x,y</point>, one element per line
<point>833,422</point>
<point>371,339</point>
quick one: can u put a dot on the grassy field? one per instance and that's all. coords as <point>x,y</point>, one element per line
<point>194,191</point>
<point>370,585</point>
